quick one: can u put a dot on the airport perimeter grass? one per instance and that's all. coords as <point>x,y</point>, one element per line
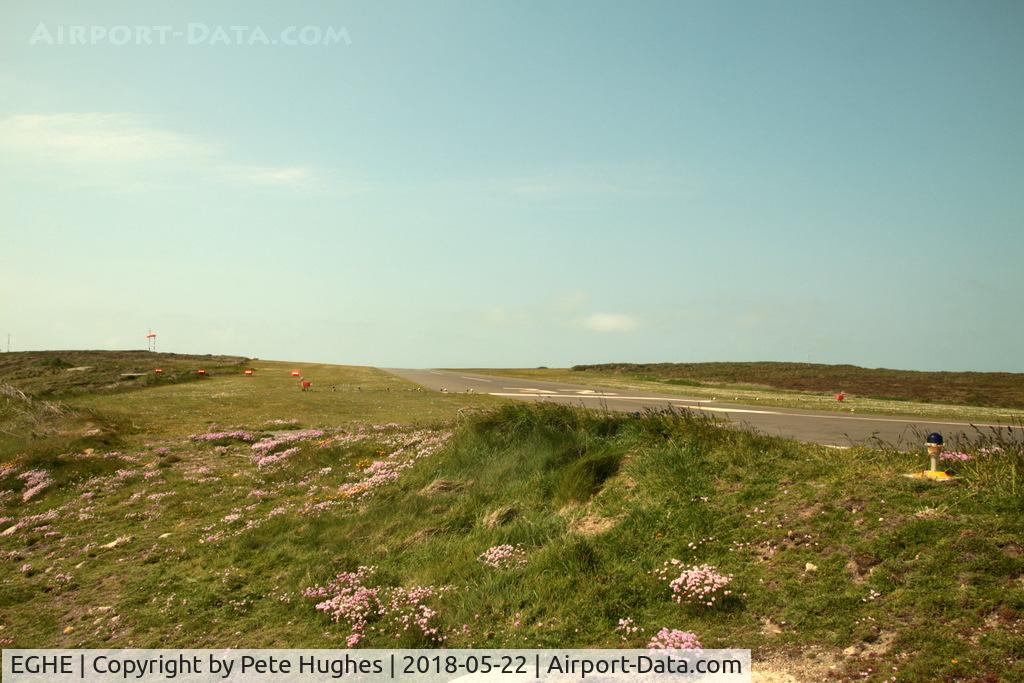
<point>341,394</point>
<point>748,392</point>
<point>132,417</point>
<point>842,569</point>
<point>67,373</point>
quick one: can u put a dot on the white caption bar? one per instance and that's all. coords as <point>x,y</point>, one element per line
<point>151,666</point>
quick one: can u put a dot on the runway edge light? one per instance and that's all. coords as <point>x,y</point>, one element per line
<point>933,442</point>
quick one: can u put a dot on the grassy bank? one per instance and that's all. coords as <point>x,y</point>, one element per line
<point>69,373</point>
<point>340,395</point>
<point>839,566</point>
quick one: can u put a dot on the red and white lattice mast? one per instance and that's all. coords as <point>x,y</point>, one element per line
<point>151,341</point>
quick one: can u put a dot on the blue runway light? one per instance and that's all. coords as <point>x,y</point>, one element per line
<point>934,438</point>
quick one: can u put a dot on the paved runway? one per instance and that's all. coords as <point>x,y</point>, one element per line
<point>839,429</point>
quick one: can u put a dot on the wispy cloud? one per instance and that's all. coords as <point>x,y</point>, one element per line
<point>95,138</point>
<point>110,147</point>
<point>610,322</point>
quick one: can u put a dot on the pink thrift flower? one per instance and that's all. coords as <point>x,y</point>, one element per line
<point>674,639</point>
<point>504,556</point>
<point>955,456</point>
<point>700,585</point>
<point>35,482</point>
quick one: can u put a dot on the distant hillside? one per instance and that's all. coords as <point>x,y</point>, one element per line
<point>992,389</point>
<point>56,373</point>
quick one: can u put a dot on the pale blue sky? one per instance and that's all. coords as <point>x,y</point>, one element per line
<point>521,184</point>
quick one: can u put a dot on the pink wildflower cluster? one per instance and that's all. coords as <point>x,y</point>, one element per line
<point>410,448</point>
<point>237,434</point>
<point>310,508</point>
<point>272,458</point>
<point>212,538</point>
<point>263,451</point>
<point>363,432</point>
<point>504,556</point>
<point>956,456</point>
<point>267,445</point>
<point>674,639</point>
<point>698,584</point>
<point>31,520</point>
<point>35,482</point>
<point>379,472</point>
<point>389,610</point>
<point>627,627</point>
<point>91,454</point>
<point>200,474</point>
<point>104,484</point>
<point>424,441</point>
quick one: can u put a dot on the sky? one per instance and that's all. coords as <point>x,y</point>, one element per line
<point>445,184</point>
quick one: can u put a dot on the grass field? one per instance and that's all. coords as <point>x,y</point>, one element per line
<point>221,512</point>
<point>988,397</point>
<point>64,373</point>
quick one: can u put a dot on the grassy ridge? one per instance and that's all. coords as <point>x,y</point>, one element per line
<point>109,420</point>
<point>340,395</point>
<point>992,389</point>
<point>171,541</point>
<point>64,373</point>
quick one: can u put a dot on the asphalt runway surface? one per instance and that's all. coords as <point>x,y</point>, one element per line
<point>824,427</point>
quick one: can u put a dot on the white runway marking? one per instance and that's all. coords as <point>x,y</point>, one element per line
<point>529,389</point>
<point>716,409</point>
<point>585,393</point>
<point>526,392</point>
<point>640,398</point>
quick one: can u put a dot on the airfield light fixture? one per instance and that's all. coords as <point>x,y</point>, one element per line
<point>934,443</point>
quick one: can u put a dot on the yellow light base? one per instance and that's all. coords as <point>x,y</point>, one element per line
<point>932,475</point>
